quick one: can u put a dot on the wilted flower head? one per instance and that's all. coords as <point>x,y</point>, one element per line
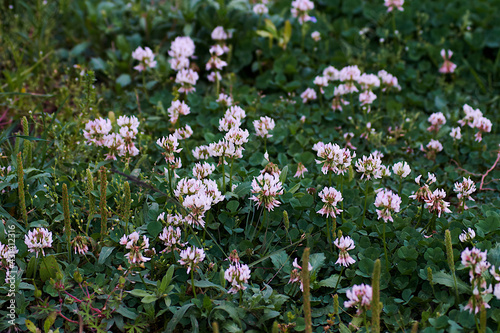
<point>359,296</point>
<point>295,274</point>
<point>301,169</point>
<point>80,245</point>
<point>191,257</point>
<point>37,240</point>
<point>344,244</point>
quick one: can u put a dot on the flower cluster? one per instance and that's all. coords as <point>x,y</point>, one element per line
<point>80,245</point>
<point>176,109</point>
<point>464,190</point>
<point>191,257</point>
<point>300,9</point>
<point>261,8</point>
<point>97,132</point>
<point>136,245</point>
<point>344,244</point>
<point>401,169</point>
<point>181,49</point>
<point>237,274</point>
<point>335,159</point>
<point>437,120</point>
<point>263,126</point>
<point>330,197</point>
<point>474,119</point>
<point>295,274</point>
<point>266,188</point>
<point>432,148</point>
<point>170,145</point>
<point>394,4</point>
<point>476,261</point>
<point>370,167</point>
<point>388,202</point>
<point>146,58</point>
<point>37,240</point>
<point>197,196</point>
<point>301,169</point>
<point>172,233</point>
<point>360,296</point>
<point>187,79</point>
<point>215,64</point>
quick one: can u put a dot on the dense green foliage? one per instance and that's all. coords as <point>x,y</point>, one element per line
<point>49,55</point>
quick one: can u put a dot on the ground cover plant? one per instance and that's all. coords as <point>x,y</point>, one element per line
<point>249,166</point>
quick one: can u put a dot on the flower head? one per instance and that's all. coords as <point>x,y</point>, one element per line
<point>467,236</point>
<point>266,188</point>
<point>137,246</point>
<point>263,126</point>
<point>344,244</point>
<point>447,67</point>
<point>330,197</point>
<point>146,57</point>
<point>360,296</point>
<point>401,169</point>
<point>191,257</point>
<point>37,240</point>
<point>388,202</point>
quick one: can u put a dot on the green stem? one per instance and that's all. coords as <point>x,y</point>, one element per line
<point>420,217</point>
<point>192,283</point>
<point>231,176</point>
<point>400,185</point>
<point>366,200</point>
<point>329,233</point>
<point>265,143</point>
<point>385,249</point>
<point>223,177</point>
<point>144,83</point>
<point>170,181</point>
<point>338,281</point>
<point>342,193</point>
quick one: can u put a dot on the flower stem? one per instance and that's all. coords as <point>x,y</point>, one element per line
<point>192,283</point>
<point>170,181</point>
<point>400,186</point>
<point>385,249</point>
<point>329,233</point>
<point>421,213</point>
<point>366,200</point>
<point>340,276</point>
<point>223,177</point>
<point>231,176</point>
<point>342,193</point>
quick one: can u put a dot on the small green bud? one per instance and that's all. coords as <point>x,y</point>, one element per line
<point>38,293</point>
<point>59,276</point>
<point>449,250</point>
<point>77,277</point>
<point>111,116</point>
<point>429,275</point>
<point>285,220</point>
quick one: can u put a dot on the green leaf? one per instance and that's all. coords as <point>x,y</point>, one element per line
<point>166,280</point>
<point>343,328</point>
<point>208,284</point>
<point>49,321</point>
<point>294,188</point>
<point>283,174</point>
<point>178,315</point>
<point>126,312</point>
<point>232,206</point>
<point>230,309</point>
<point>105,253</point>
<point>124,80</point>
<point>317,260</point>
<point>48,268</point>
<point>279,259</point>
<point>330,282</point>
<point>149,299</point>
<point>31,327</point>
<point>154,228</point>
<point>140,293</point>
<point>447,280</point>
